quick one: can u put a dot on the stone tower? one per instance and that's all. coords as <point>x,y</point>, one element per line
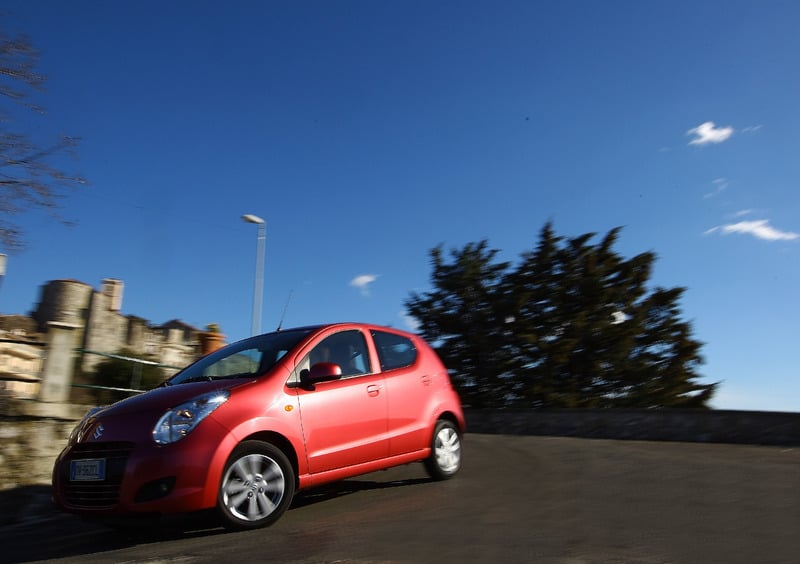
<point>112,288</point>
<point>63,301</point>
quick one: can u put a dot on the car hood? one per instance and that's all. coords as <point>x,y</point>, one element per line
<point>161,399</point>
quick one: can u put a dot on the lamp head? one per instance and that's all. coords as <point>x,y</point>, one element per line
<point>249,218</point>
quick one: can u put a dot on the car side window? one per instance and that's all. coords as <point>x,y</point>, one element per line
<point>348,349</point>
<point>394,351</point>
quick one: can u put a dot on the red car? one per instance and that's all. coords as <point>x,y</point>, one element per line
<point>244,428</point>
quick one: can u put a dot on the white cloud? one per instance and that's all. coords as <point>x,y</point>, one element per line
<point>410,322</point>
<point>363,281</point>
<point>752,128</point>
<point>720,185</point>
<point>707,132</point>
<point>760,229</point>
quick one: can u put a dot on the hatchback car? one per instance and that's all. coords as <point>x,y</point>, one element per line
<point>244,428</point>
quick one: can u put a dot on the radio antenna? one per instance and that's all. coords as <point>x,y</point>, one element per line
<point>285,307</point>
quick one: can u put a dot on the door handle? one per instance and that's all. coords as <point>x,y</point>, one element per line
<point>373,390</point>
<point>426,380</point>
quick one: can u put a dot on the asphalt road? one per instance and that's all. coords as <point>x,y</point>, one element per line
<point>517,499</point>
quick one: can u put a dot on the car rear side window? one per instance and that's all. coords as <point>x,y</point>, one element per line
<point>394,351</point>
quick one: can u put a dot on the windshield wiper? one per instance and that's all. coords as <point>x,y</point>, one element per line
<point>198,379</point>
<point>214,378</point>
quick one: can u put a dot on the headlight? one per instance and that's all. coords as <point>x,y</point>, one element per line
<point>181,420</point>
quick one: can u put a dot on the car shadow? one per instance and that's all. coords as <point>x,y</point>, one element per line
<point>27,515</point>
<point>25,503</point>
<point>346,487</point>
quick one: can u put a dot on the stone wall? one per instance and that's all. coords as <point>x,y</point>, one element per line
<point>701,426</point>
<point>29,450</point>
<point>714,426</point>
<point>31,430</point>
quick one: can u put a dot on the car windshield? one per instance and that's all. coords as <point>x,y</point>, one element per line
<point>244,359</point>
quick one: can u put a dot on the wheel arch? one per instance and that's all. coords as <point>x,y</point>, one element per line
<point>453,418</point>
<point>280,442</point>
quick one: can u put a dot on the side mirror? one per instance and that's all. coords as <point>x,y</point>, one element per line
<point>320,372</point>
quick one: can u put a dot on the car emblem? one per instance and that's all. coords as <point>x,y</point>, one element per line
<point>98,431</point>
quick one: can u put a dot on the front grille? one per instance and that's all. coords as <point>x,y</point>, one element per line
<point>102,494</point>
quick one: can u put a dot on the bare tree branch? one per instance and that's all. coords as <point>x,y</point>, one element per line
<point>29,179</point>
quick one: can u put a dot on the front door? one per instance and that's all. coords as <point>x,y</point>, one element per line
<point>344,421</point>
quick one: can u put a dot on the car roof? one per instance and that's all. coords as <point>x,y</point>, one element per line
<point>359,324</point>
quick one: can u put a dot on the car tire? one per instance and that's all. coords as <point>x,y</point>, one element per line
<point>257,486</point>
<point>445,459</point>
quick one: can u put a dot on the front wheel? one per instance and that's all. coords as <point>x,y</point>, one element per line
<point>257,486</point>
<point>445,459</point>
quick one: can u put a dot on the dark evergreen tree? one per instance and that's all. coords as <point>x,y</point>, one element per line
<point>464,306</point>
<point>572,325</point>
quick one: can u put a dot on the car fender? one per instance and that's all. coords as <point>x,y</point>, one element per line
<point>257,429</point>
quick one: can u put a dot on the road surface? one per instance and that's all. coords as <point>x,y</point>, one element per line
<point>517,499</point>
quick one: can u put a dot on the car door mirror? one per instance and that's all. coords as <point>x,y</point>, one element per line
<point>320,372</point>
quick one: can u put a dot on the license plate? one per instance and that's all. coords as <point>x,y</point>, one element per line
<point>90,470</point>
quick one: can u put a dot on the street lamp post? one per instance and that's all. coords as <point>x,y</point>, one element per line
<point>258,286</point>
<point>2,268</point>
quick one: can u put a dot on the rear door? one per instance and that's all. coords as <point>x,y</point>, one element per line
<point>408,387</point>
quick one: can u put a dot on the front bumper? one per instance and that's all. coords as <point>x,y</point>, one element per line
<point>144,477</point>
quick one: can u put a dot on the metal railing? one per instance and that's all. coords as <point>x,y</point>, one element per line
<point>136,376</point>
<point>29,377</point>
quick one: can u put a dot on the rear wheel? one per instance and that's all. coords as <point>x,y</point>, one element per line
<point>256,487</point>
<point>445,459</point>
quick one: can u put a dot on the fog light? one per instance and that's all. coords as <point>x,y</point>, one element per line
<point>155,489</point>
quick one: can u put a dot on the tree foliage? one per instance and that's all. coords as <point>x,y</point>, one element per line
<point>572,324</point>
<point>30,177</point>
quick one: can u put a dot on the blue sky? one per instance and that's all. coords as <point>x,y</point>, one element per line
<point>366,133</point>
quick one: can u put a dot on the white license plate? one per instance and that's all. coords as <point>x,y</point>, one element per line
<point>90,470</point>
